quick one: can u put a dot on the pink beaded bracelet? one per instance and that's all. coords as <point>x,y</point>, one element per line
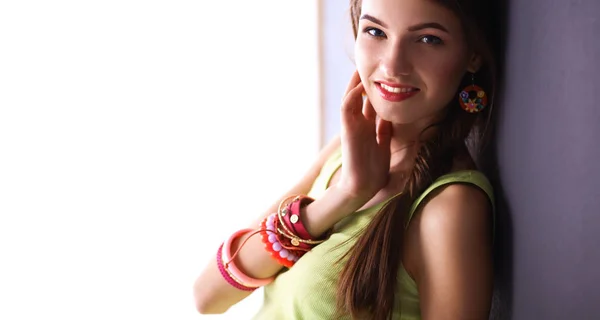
<point>283,254</point>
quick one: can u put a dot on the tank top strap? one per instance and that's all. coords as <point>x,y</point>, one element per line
<point>473,177</point>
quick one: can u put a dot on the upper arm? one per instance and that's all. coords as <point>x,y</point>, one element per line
<point>454,269</point>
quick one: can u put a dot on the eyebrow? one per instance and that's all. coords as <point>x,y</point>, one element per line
<point>433,25</point>
<point>420,26</point>
<point>373,19</point>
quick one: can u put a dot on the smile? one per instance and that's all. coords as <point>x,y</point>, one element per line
<point>396,93</point>
<point>396,89</point>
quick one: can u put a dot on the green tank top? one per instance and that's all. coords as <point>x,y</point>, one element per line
<point>307,290</point>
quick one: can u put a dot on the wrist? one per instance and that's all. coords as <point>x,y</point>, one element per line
<point>334,205</point>
<point>346,203</point>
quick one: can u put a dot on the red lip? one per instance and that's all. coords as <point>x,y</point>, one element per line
<point>395,97</point>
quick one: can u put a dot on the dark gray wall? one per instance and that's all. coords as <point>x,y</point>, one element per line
<point>547,149</point>
<point>548,137</point>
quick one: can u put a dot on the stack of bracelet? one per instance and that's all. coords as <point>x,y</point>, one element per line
<point>284,236</point>
<point>283,233</point>
<point>229,270</point>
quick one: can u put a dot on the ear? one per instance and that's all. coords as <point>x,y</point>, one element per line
<point>474,63</point>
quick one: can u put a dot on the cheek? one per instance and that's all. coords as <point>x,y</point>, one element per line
<point>444,76</point>
<point>364,58</point>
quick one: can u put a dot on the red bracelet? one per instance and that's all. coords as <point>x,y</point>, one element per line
<point>294,217</point>
<point>286,243</point>
<point>290,221</point>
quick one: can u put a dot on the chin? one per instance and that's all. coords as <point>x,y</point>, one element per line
<point>396,112</point>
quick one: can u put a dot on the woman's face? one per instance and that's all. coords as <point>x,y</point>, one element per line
<point>411,56</point>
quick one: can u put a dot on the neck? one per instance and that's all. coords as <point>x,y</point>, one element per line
<point>405,145</point>
<point>406,142</point>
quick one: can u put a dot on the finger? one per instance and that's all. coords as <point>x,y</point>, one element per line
<point>352,104</point>
<point>354,81</point>
<point>384,133</point>
<point>368,110</point>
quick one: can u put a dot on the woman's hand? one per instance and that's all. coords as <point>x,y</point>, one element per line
<point>365,142</point>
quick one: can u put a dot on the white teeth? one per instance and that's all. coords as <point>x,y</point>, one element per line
<point>396,90</point>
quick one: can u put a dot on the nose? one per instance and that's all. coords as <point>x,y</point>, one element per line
<point>396,62</point>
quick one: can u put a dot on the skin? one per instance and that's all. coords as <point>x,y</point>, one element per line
<point>432,60</point>
<point>447,245</point>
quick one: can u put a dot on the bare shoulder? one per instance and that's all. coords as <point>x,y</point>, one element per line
<point>449,241</point>
<point>455,204</point>
<point>458,212</point>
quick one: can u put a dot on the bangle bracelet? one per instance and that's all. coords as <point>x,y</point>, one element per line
<point>281,213</point>
<point>294,217</point>
<point>286,242</point>
<point>232,268</point>
<point>227,276</point>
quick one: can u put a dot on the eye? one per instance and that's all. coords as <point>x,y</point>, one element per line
<point>375,32</point>
<point>429,39</point>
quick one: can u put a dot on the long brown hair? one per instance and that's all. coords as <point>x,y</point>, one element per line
<point>368,283</point>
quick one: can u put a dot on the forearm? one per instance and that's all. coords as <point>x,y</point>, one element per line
<point>322,214</point>
<point>317,217</point>
<point>215,295</point>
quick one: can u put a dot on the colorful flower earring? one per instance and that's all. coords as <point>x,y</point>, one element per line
<point>472,99</point>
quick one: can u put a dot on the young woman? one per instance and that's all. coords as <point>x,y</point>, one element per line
<point>394,219</point>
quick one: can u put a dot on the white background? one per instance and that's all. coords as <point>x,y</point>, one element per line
<point>134,137</point>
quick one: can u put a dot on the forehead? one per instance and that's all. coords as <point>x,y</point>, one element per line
<point>404,13</point>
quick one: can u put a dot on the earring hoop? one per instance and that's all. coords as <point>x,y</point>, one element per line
<point>472,98</point>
